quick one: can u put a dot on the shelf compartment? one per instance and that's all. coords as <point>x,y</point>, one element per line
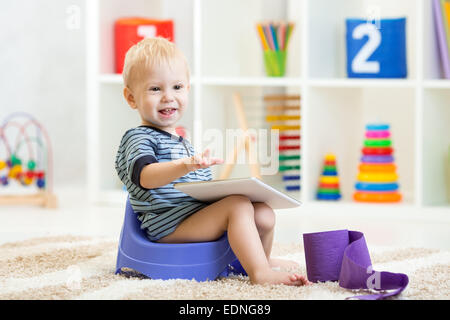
<point>436,147</point>
<point>111,10</point>
<point>336,123</point>
<point>327,18</point>
<point>232,48</point>
<point>432,65</point>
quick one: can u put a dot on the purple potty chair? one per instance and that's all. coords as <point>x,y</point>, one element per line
<point>201,261</point>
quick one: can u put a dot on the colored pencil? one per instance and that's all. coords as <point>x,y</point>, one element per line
<point>281,35</point>
<point>269,38</point>
<point>262,37</point>
<point>274,36</point>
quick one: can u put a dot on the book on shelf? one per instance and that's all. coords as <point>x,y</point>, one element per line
<point>445,6</point>
<point>442,23</point>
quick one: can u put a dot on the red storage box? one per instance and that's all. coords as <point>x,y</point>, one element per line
<point>129,31</point>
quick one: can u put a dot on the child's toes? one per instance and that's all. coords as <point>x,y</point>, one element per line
<point>305,281</point>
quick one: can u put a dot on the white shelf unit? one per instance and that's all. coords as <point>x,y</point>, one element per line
<point>223,49</point>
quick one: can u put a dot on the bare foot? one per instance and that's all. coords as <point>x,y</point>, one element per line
<point>283,264</point>
<point>279,277</point>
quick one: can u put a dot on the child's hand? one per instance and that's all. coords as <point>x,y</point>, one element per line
<point>200,161</point>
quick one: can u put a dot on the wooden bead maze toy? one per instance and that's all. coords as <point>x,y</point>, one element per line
<point>283,114</point>
<point>26,164</point>
<point>246,142</point>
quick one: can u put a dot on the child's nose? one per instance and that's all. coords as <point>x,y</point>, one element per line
<point>168,95</point>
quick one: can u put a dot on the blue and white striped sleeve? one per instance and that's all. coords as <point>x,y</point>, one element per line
<point>140,150</point>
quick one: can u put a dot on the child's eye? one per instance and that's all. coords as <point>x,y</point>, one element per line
<point>154,89</point>
<point>178,87</point>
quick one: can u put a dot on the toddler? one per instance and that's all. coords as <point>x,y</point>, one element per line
<point>152,157</point>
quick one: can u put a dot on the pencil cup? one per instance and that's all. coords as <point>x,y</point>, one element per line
<point>275,62</point>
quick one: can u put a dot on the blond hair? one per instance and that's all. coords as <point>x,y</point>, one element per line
<point>147,53</point>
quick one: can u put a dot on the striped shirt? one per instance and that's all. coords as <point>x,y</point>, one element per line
<point>161,209</point>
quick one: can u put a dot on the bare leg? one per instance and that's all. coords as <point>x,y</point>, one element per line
<point>234,214</point>
<point>265,223</point>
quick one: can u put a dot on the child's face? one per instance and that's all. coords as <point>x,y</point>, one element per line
<point>162,95</point>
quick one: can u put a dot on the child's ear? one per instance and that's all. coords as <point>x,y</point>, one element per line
<point>129,97</point>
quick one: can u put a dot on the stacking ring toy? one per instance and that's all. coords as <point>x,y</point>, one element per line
<point>329,179</point>
<point>322,196</point>
<point>377,196</point>
<point>329,185</point>
<point>378,134</point>
<point>328,191</point>
<point>367,151</point>
<point>377,159</point>
<point>292,188</point>
<point>293,177</point>
<point>376,186</point>
<point>377,177</point>
<point>377,167</point>
<point>377,143</point>
<point>377,127</point>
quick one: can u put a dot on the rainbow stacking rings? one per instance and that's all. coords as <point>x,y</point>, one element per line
<point>378,134</point>
<point>377,177</point>
<point>377,159</point>
<point>329,180</point>
<point>376,186</point>
<point>377,196</point>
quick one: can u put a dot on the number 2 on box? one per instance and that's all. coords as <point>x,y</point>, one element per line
<point>360,63</point>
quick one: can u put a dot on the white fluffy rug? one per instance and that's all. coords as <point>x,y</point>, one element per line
<point>73,267</point>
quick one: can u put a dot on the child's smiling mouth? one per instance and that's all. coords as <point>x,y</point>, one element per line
<point>167,112</point>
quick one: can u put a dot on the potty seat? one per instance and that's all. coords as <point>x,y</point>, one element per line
<point>200,261</point>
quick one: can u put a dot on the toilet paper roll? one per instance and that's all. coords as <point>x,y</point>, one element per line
<point>343,256</point>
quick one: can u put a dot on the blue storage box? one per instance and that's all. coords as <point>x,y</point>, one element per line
<point>376,50</point>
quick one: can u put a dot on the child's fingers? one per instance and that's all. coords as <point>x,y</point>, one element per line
<point>206,162</point>
<point>216,161</point>
<point>197,159</point>
<point>203,160</point>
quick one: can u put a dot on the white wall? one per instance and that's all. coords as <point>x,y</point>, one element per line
<point>42,63</point>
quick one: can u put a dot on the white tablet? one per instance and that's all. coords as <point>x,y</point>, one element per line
<point>253,188</point>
